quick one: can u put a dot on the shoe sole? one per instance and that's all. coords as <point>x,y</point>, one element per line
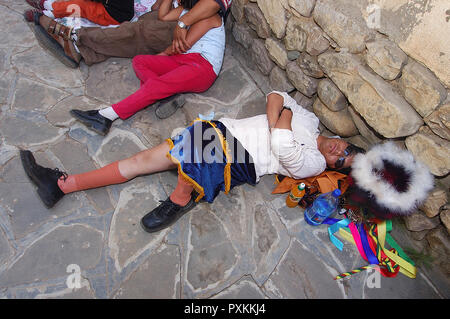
<point>174,105</point>
<point>41,191</point>
<point>154,230</point>
<point>47,42</point>
<point>93,127</point>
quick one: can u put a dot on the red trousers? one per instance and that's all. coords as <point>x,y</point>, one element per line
<point>163,76</point>
<point>93,11</point>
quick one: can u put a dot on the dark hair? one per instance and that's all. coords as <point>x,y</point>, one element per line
<point>354,150</point>
<point>188,4</point>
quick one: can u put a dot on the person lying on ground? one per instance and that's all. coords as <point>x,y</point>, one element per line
<point>212,156</point>
<point>147,35</point>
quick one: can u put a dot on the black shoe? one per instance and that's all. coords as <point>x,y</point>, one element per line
<point>165,215</point>
<point>93,120</point>
<point>46,179</point>
<point>168,106</point>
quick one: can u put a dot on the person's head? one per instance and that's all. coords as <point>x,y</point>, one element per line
<point>187,4</point>
<point>338,153</point>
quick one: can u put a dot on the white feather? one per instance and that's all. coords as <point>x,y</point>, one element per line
<point>421,180</point>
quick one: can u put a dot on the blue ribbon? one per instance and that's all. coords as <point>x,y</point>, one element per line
<point>335,224</point>
<point>373,260</point>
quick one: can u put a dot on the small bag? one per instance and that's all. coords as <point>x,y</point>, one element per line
<point>316,185</point>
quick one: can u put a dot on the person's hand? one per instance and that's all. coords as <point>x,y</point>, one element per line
<point>179,43</point>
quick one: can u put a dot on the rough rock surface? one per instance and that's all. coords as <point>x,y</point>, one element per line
<point>377,102</point>
<point>385,58</point>
<point>275,14</point>
<point>342,20</point>
<point>431,150</point>
<point>338,122</point>
<point>421,88</point>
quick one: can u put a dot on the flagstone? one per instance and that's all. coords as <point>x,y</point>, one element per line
<point>6,83</point>
<point>301,275</point>
<point>212,256</point>
<point>244,289</point>
<point>21,202</point>
<point>13,24</point>
<point>230,80</point>
<point>127,240</point>
<point>49,256</point>
<point>111,81</point>
<point>34,129</point>
<point>118,145</point>
<point>5,249</point>
<point>36,63</point>
<point>35,96</point>
<point>161,269</point>
<point>59,114</point>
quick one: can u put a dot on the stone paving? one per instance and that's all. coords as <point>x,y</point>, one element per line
<point>247,244</point>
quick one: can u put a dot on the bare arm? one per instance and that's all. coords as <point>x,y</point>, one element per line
<point>202,10</point>
<point>156,5</point>
<point>167,13</point>
<point>198,30</point>
<point>285,119</point>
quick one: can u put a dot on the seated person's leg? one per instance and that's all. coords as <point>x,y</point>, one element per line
<point>146,36</point>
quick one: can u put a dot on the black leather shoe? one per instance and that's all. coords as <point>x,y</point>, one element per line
<point>46,179</point>
<point>93,120</point>
<point>165,215</point>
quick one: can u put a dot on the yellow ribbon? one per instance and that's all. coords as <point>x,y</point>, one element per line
<point>405,267</point>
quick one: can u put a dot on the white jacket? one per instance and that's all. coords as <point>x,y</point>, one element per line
<point>290,153</point>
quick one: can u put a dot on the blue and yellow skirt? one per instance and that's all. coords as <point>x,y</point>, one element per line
<point>211,159</point>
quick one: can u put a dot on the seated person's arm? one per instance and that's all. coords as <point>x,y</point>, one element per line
<point>156,5</point>
<point>203,9</point>
<point>197,31</point>
<point>167,13</point>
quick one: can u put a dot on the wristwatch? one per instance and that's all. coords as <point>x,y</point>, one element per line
<point>182,25</point>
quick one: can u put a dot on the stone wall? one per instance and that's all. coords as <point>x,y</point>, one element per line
<point>370,70</point>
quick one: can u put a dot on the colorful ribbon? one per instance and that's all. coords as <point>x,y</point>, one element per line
<point>335,225</point>
<point>371,246</point>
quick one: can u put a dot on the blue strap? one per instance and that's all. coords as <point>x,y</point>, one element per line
<point>373,260</point>
<point>330,221</point>
<point>335,225</point>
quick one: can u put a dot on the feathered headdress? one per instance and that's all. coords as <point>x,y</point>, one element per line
<point>388,181</point>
